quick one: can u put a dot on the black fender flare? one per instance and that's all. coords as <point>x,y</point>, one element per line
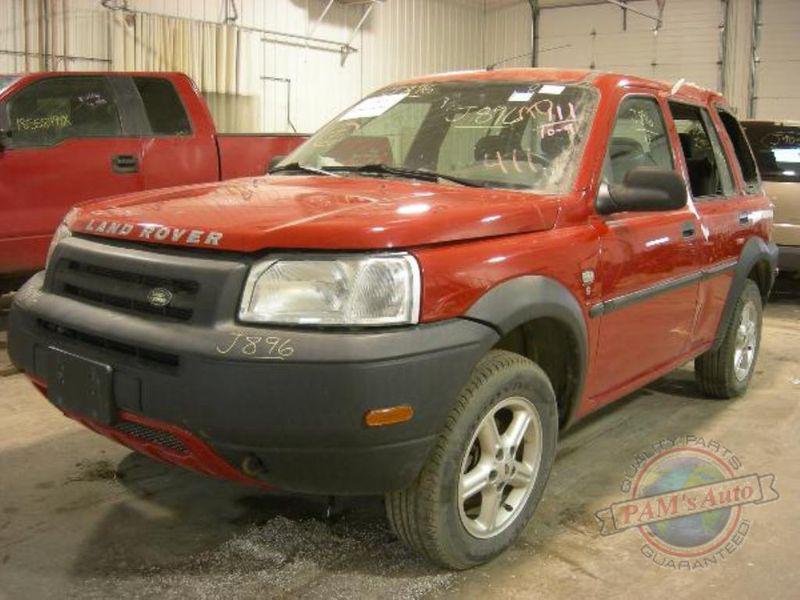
<point>523,299</point>
<point>754,251</point>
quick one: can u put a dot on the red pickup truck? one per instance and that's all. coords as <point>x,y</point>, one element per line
<point>418,298</point>
<point>71,137</point>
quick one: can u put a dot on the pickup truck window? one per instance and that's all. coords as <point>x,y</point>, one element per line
<point>639,139</point>
<point>742,150</point>
<point>52,110</point>
<point>163,106</point>
<point>777,149</point>
<point>709,174</point>
<point>514,135</point>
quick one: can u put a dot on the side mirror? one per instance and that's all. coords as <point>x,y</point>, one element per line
<point>644,189</point>
<point>273,162</point>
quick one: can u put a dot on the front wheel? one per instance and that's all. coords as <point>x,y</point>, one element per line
<point>488,468</point>
<point>726,372</point>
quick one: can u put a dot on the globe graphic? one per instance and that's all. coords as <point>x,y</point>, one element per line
<point>676,473</point>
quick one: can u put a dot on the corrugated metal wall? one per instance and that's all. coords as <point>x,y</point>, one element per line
<point>401,38</point>
<point>509,33</point>
<point>82,35</point>
<point>602,37</point>
<point>689,46</point>
<point>738,54</point>
<point>777,84</point>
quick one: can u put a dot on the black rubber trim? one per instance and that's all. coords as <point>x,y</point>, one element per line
<point>607,306</point>
<point>755,250</point>
<point>521,300</point>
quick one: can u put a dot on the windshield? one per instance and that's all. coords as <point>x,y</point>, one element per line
<point>777,150</point>
<point>7,80</point>
<point>513,135</point>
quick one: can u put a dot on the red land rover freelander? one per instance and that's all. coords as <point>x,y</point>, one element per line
<point>417,299</point>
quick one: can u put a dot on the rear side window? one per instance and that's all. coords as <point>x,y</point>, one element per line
<point>163,106</point>
<point>53,110</point>
<point>742,150</point>
<point>709,174</point>
<point>777,149</point>
<point>639,139</point>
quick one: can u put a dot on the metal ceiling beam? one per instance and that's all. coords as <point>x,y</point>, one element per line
<point>534,32</point>
<point>626,6</point>
<point>754,60</point>
<point>330,45</point>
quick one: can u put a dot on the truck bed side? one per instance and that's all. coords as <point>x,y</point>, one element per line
<point>242,155</point>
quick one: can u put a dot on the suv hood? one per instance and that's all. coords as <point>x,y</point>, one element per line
<point>314,212</point>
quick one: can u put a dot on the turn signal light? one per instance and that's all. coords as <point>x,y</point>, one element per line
<point>379,417</point>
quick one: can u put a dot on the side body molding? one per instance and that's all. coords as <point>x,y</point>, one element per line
<point>523,299</point>
<point>754,251</point>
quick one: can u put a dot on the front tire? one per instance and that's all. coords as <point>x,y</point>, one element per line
<point>488,469</point>
<point>726,372</point>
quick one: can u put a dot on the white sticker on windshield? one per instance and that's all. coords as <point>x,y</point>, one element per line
<point>553,90</point>
<point>375,106</point>
<point>520,96</point>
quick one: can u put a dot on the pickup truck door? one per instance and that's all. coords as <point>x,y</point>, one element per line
<point>179,142</point>
<point>648,271</point>
<point>68,144</point>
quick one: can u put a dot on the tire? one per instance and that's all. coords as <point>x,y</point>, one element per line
<point>430,517</point>
<point>722,373</point>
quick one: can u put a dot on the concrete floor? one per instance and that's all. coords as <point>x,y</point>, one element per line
<point>83,517</point>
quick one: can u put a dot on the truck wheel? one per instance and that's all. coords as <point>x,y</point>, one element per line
<point>488,469</point>
<point>725,372</point>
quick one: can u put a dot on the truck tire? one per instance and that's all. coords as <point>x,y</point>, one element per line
<point>726,372</point>
<point>488,468</point>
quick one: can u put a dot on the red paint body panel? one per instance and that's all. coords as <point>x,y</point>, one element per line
<point>39,185</point>
<point>195,455</point>
<point>247,155</point>
<point>325,213</point>
<point>470,240</point>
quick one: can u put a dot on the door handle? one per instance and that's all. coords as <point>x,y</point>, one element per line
<point>124,163</point>
<point>687,229</point>
<point>744,218</point>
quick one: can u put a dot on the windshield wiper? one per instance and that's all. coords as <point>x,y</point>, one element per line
<point>296,166</point>
<point>381,168</point>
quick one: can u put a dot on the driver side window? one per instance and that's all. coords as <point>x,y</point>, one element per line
<point>639,139</point>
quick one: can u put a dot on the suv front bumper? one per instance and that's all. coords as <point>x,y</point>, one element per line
<point>300,415</point>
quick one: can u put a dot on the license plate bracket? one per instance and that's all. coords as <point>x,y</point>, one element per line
<point>81,386</point>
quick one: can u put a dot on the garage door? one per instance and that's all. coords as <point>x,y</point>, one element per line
<point>777,86</point>
<point>601,37</point>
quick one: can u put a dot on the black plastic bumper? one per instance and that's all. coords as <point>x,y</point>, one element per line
<point>300,413</point>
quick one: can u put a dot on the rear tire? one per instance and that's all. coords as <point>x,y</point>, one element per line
<point>726,372</point>
<point>468,504</point>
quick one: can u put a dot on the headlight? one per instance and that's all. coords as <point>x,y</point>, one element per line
<point>373,290</point>
<point>61,233</point>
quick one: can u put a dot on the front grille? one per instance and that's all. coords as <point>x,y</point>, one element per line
<point>125,290</point>
<point>144,355</point>
<point>151,436</point>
